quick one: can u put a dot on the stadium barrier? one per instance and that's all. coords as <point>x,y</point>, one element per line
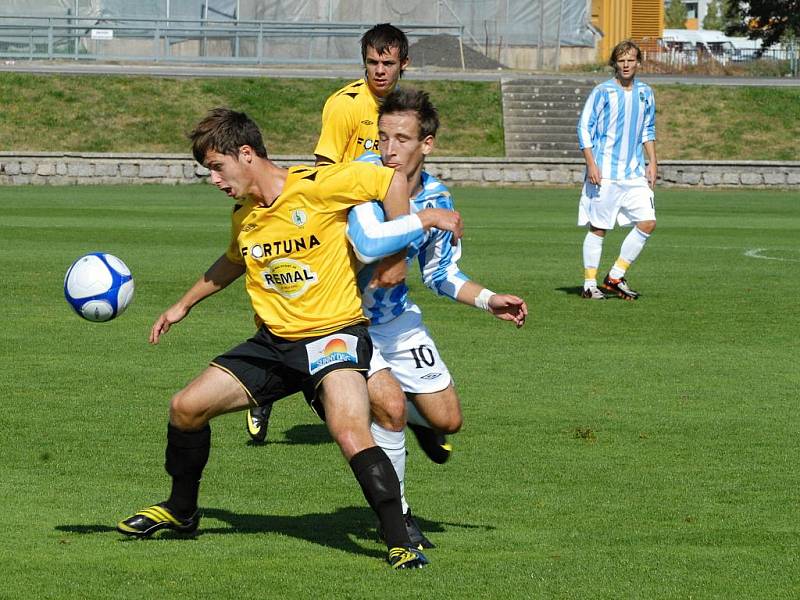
<point>56,168</point>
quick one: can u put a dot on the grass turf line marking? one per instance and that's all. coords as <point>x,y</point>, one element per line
<point>756,253</point>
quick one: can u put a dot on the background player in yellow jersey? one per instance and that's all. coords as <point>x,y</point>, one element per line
<point>350,115</point>
<point>288,239</point>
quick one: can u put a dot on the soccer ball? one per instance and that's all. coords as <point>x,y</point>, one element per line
<point>98,286</point>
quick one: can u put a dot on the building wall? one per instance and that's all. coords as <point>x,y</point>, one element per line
<point>639,20</point>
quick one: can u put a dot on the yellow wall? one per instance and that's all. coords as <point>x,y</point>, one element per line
<point>639,20</point>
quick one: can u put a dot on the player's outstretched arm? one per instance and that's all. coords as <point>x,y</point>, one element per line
<point>506,307</point>
<point>221,274</point>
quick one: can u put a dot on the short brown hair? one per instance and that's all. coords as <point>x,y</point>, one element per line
<point>225,131</point>
<point>410,100</point>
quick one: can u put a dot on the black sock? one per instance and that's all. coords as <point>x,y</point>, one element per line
<point>186,457</point>
<point>381,488</point>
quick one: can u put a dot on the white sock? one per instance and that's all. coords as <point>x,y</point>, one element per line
<point>393,443</point>
<point>592,251</point>
<point>632,246</point>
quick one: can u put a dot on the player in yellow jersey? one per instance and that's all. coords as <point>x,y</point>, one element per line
<point>349,127</point>
<point>288,239</point>
<point>350,115</point>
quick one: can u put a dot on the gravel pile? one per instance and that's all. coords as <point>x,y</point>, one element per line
<point>442,51</point>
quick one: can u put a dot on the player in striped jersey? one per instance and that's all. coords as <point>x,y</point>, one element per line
<point>617,127</point>
<point>404,351</point>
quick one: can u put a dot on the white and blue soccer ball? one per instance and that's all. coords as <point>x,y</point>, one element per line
<point>98,286</point>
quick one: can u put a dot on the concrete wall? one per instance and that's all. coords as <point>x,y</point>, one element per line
<point>53,168</point>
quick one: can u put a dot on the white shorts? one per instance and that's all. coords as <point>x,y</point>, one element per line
<point>624,201</point>
<point>405,346</point>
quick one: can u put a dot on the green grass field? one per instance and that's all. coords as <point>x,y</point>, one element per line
<point>153,114</point>
<point>610,450</point>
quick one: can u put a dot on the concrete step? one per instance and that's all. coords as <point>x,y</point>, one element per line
<point>563,101</point>
<point>583,81</point>
<point>555,123</point>
<point>554,110</point>
<point>540,117</point>
<point>551,91</point>
<point>536,153</point>
<point>575,88</point>
<point>543,136</point>
<point>571,147</point>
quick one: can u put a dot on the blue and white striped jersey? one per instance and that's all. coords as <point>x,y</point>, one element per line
<point>614,124</point>
<point>437,257</point>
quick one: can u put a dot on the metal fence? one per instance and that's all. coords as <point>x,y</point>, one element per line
<point>207,41</point>
<point>710,55</point>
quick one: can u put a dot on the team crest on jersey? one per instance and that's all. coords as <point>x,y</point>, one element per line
<point>335,348</point>
<point>641,96</point>
<point>289,277</point>
<point>299,217</point>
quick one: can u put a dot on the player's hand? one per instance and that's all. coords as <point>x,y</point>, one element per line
<point>651,173</point>
<point>444,219</point>
<point>593,174</point>
<point>509,308</point>
<point>391,271</point>
<point>168,318</point>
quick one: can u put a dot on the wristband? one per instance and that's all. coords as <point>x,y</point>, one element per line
<point>482,299</point>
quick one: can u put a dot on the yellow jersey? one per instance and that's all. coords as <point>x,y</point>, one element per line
<point>300,271</point>
<point>349,123</point>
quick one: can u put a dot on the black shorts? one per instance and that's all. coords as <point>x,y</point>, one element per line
<point>270,367</point>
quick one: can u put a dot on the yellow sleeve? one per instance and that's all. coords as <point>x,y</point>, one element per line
<point>338,127</point>
<point>345,185</point>
<point>232,253</point>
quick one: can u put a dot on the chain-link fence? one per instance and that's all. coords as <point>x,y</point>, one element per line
<point>472,33</point>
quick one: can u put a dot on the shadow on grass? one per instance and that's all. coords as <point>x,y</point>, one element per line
<point>301,435</point>
<point>571,291</point>
<point>345,529</point>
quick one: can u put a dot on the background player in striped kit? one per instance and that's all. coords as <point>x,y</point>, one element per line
<point>616,127</point>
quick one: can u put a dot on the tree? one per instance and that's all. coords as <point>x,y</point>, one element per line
<point>676,15</point>
<point>713,18</point>
<point>767,20</point>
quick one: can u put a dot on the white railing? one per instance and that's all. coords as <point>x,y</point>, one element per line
<point>209,41</point>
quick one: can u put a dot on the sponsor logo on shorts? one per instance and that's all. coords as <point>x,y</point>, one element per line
<point>431,376</point>
<point>290,278</point>
<point>332,349</point>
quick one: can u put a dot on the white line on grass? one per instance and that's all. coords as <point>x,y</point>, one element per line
<point>756,253</point>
